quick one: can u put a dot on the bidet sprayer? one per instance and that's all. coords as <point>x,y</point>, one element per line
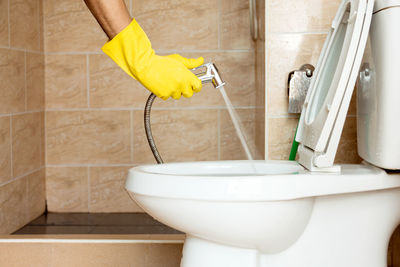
<point>209,73</point>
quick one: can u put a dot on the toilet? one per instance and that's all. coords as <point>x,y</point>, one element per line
<point>309,213</point>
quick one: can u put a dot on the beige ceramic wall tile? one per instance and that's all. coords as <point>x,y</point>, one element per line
<point>80,137</point>
<point>43,146</point>
<point>12,77</point>
<point>93,255</point>
<point>5,150</point>
<point>36,194</point>
<point>26,142</point>
<point>287,52</point>
<point>179,24</point>
<point>13,201</point>
<point>25,24</point>
<point>69,26</point>
<point>353,103</point>
<point>301,15</point>
<point>26,254</point>
<point>164,255</point>
<point>41,26</point>
<point>347,150</point>
<point>110,86</point>
<point>107,190</point>
<point>235,25</point>
<point>231,147</point>
<point>35,81</point>
<point>4,22</point>
<point>66,81</point>
<point>281,133</point>
<point>280,137</point>
<point>67,189</point>
<point>237,70</point>
<point>180,135</point>
<point>260,132</point>
<point>88,255</point>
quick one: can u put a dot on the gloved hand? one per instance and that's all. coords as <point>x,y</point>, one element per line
<point>165,76</point>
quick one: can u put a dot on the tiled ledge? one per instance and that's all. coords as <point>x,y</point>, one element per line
<point>99,239</point>
<point>91,250</point>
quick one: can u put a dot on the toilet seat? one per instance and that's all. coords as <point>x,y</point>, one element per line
<point>327,101</point>
<point>231,181</point>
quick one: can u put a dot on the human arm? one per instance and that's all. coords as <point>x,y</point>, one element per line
<point>112,15</point>
<point>129,47</point>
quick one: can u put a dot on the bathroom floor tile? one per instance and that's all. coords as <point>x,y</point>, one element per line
<point>95,223</point>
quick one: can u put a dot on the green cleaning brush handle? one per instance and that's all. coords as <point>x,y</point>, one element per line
<point>295,146</point>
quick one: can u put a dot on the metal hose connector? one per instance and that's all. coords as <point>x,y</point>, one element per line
<point>147,128</point>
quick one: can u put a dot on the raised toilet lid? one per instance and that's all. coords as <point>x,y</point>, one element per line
<point>328,98</point>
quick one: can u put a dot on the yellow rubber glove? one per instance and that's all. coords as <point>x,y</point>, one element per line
<point>165,76</point>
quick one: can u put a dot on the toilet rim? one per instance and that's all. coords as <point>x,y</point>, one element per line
<point>148,181</point>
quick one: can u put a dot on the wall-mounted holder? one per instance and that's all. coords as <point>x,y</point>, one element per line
<point>298,84</point>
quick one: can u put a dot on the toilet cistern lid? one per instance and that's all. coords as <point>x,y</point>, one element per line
<point>328,98</point>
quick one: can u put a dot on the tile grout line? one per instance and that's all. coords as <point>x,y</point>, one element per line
<point>219,134</point>
<point>39,31</point>
<point>167,51</point>
<point>141,109</point>
<point>89,241</point>
<point>26,85</point>
<point>87,81</point>
<point>22,50</point>
<point>266,58</point>
<point>40,142</point>
<point>219,24</point>
<point>9,24</point>
<point>45,138</point>
<point>89,188</point>
<point>11,148</point>
<point>20,113</point>
<point>88,165</point>
<point>52,259</point>
<point>43,50</point>
<point>296,116</point>
<point>284,116</point>
<point>20,177</point>
<point>43,27</point>
<point>132,135</point>
<point>298,33</point>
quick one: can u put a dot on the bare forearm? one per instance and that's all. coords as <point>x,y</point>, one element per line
<point>112,15</point>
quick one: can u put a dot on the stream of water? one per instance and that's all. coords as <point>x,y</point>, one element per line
<point>236,123</point>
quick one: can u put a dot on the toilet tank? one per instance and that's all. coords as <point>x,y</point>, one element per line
<point>378,92</point>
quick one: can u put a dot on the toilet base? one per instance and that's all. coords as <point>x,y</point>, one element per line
<point>344,231</point>
<point>200,253</point>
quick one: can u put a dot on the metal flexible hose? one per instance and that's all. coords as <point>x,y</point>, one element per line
<point>209,74</point>
<point>147,128</point>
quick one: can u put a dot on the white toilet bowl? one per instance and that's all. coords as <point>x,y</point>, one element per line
<point>279,215</point>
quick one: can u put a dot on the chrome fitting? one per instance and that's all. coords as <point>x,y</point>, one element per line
<point>209,73</point>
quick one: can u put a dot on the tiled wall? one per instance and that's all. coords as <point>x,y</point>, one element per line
<point>94,111</point>
<point>22,176</point>
<point>296,30</point>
